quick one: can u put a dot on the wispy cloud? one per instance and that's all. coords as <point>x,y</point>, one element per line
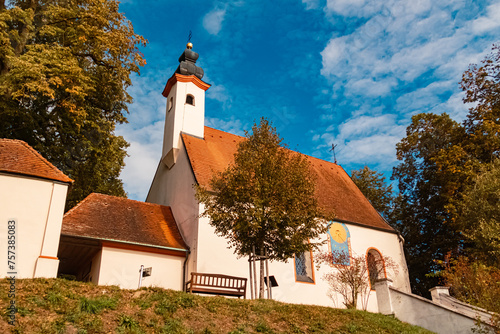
<point>233,125</point>
<point>402,58</point>
<point>212,21</point>
<point>144,132</point>
<point>363,140</point>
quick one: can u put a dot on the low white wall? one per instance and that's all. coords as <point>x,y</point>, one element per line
<point>121,267</point>
<point>422,312</point>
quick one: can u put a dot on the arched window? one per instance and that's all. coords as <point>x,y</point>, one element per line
<point>304,271</point>
<point>190,99</point>
<point>376,266</point>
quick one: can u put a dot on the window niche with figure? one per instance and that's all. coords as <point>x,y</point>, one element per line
<point>376,266</point>
<point>304,271</point>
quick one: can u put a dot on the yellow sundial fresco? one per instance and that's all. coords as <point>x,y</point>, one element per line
<point>338,233</point>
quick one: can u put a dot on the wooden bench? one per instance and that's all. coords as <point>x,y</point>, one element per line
<point>215,284</point>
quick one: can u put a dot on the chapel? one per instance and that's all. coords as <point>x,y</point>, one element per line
<point>193,152</point>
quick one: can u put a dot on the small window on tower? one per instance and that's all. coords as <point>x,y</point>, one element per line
<point>190,99</point>
<point>170,103</point>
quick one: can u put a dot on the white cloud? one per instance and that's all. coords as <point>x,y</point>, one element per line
<point>364,139</point>
<point>401,59</point>
<point>368,150</point>
<point>311,4</point>
<point>144,132</point>
<point>353,7</point>
<point>370,87</point>
<point>212,21</point>
<point>489,22</point>
<point>144,154</point>
<point>233,125</point>
<point>219,93</point>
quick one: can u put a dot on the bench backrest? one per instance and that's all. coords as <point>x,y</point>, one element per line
<point>218,281</point>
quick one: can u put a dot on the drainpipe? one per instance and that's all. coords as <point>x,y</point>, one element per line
<point>184,270</point>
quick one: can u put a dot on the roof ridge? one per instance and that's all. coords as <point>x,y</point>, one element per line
<point>14,151</point>
<point>125,199</point>
<point>77,205</point>
<point>286,148</point>
<point>45,161</point>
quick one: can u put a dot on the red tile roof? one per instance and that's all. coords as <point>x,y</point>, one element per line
<point>113,218</point>
<point>17,157</point>
<point>335,190</point>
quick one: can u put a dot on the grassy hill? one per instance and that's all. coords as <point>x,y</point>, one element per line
<point>62,306</point>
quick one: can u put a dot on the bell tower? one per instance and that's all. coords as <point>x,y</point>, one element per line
<point>185,93</point>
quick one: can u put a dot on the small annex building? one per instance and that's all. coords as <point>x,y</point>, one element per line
<point>106,239</point>
<point>192,153</point>
<point>32,198</point>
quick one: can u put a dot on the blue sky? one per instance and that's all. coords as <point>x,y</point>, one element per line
<point>349,72</point>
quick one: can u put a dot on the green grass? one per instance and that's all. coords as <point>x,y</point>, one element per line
<point>64,306</point>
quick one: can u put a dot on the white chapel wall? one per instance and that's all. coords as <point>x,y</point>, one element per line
<point>38,207</point>
<point>215,257</point>
<point>175,188</point>
<point>122,266</point>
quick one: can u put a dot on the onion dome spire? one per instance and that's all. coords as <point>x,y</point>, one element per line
<point>187,62</point>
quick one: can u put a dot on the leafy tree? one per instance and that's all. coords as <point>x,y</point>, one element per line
<point>425,189</point>
<point>441,163</point>
<point>64,70</point>
<point>479,214</point>
<point>265,199</point>
<point>374,187</point>
<point>482,88</point>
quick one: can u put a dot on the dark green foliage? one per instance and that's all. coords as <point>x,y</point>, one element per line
<point>424,192</point>
<point>376,190</point>
<point>478,214</point>
<point>64,70</point>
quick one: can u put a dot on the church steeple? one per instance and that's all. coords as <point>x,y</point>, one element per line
<point>185,93</point>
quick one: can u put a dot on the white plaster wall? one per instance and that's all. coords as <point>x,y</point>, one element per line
<point>422,312</point>
<point>388,244</point>
<point>121,267</point>
<point>38,207</point>
<point>95,269</point>
<point>175,188</point>
<point>183,117</point>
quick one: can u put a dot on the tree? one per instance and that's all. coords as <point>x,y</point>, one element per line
<point>426,186</point>
<point>64,70</point>
<point>482,88</point>
<point>442,161</point>
<point>478,214</point>
<point>265,199</point>
<point>374,187</point>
